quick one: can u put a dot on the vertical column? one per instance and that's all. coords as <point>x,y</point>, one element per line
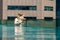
<point>1,9</point>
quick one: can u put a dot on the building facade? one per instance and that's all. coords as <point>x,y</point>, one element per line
<point>39,9</point>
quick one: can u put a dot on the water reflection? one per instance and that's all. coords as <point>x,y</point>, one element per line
<point>7,32</point>
<point>41,23</point>
<point>58,29</point>
<point>35,30</point>
<point>19,32</point>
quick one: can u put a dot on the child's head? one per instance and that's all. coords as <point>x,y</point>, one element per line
<point>19,14</point>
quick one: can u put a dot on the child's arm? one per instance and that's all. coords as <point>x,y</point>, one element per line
<point>22,18</point>
<point>15,21</point>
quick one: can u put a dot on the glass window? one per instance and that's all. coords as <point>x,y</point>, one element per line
<point>50,0</point>
<point>48,8</point>
<point>32,8</point>
<point>10,18</point>
<point>30,18</point>
<point>22,7</point>
<point>48,18</point>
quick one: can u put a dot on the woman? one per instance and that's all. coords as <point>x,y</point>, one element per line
<point>19,20</point>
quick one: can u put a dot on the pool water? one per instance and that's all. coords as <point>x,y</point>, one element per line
<point>40,30</point>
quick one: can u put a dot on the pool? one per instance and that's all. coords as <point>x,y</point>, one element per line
<point>31,30</point>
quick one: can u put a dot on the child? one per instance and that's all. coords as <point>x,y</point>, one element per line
<point>19,30</point>
<point>19,20</point>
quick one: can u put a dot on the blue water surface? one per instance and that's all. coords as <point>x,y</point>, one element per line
<point>45,31</point>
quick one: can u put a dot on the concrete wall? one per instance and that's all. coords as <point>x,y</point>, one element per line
<point>49,13</point>
<point>39,13</point>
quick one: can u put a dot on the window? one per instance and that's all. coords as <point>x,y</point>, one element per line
<point>22,7</point>
<point>30,18</point>
<point>48,8</point>
<point>32,8</point>
<point>10,18</point>
<point>48,18</point>
<point>50,0</point>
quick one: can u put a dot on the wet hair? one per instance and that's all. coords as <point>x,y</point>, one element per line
<point>19,14</point>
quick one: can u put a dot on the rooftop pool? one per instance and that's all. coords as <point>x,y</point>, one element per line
<point>30,30</point>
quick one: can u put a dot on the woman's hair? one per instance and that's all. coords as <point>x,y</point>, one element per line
<point>19,14</point>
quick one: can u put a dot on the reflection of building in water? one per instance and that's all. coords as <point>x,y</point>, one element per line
<point>12,33</point>
<point>19,33</point>
<point>7,32</point>
<point>30,33</point>
<point>30,8</point>
<point>42,23</point>
<point>0,32</point>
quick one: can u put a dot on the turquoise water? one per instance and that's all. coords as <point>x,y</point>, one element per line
<point>33,30</point>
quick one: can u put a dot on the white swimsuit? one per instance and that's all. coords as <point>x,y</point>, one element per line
<point>17,21</point>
